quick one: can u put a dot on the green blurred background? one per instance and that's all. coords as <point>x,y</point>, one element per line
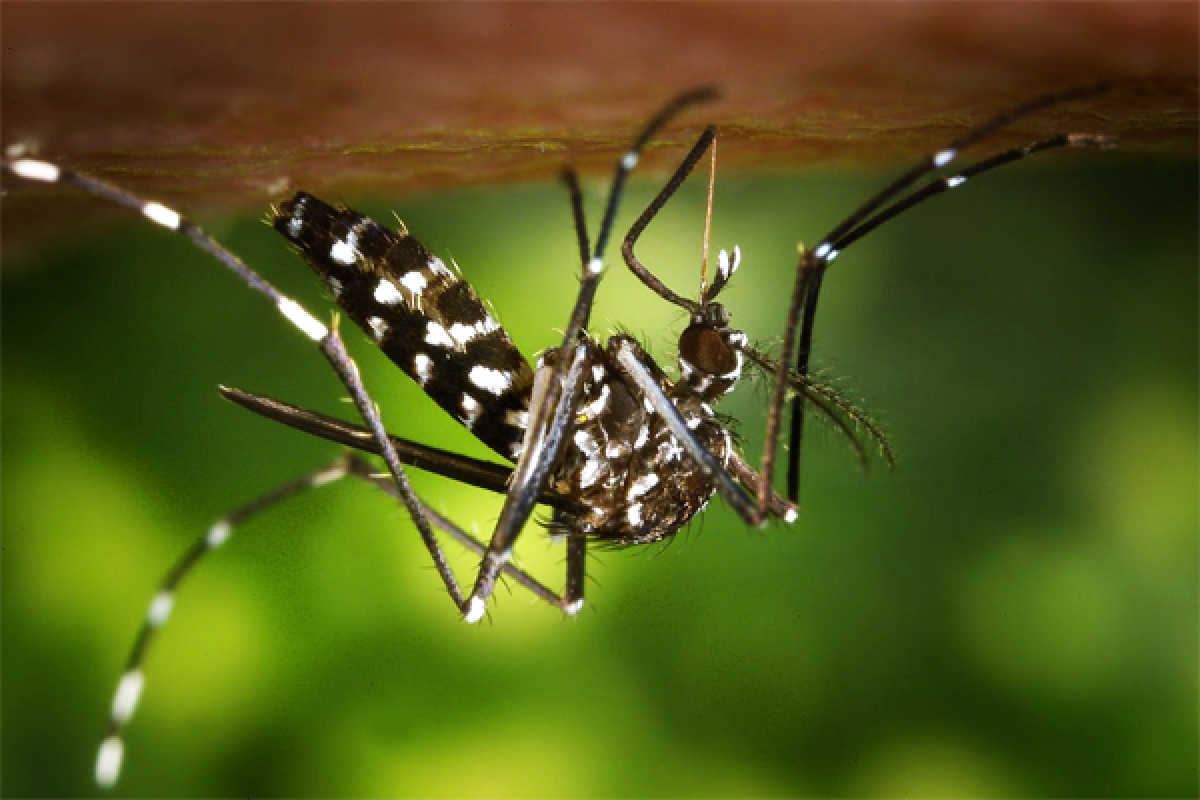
<point>1012,611</point>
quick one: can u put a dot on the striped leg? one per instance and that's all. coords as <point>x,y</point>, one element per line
<point>129,688</point>
<point>564,377</point>
<point>327,340</point>
<point>894,199</point>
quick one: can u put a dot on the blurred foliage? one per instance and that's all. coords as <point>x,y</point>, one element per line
<point>1012,611</point>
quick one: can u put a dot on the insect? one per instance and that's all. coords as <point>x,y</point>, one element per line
<point>619,451</point>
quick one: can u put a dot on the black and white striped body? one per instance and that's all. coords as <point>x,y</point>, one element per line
<point>423,316</point>
<point>632,476</point>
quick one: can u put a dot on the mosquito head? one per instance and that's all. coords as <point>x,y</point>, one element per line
<point>710,353</point>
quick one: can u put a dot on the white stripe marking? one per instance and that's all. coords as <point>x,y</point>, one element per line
<point>462,334</point>
<point>574,607</point>
<point>642,485</point>
<point>436,334</point>
<point>423,365</point>
<point>595,266</point>
<point>413,281</point>
<point>108,762</point>
<point>345,252</point>
<point>470,407</point>
<point>586,444</point>
<point>945,157</point>
<point>34,170</point>
<point>475,610</point>
<point>490,380</point>
<point>387,293</point>
<point>378,327</point>
<point>590,473</point>
<point>955,180</point>
<point>334,473</point>
<point>160,608</point>
<point>594,408</point>
<point>629,160</point>
<point>218,534</point>
<point>129,691</point>
<point>162,215</point>
<point>303,320</point>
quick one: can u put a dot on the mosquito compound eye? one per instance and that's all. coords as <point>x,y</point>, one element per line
<point>705,349</point>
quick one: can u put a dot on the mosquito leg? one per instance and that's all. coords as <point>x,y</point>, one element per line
<point>576,573</point>
<point>358,468</point>
<point>746,476</point>
<point>45,172</point>
<point>129,688</point>
<point>631,357</point>
<point>552,408</point>
<point>594,268</point>
<point>329,342</point>
<point>551,411</point>
<point>949,182</point>
<point>947,154</point>
<point>335,352</point>
<point>804,294</point>
<point>571,179</point>
<point>681,174</point>
<point>865,219</point>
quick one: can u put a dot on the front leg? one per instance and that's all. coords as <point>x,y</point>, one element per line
<point>551,412</point>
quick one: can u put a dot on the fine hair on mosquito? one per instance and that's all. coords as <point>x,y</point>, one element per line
<point>618,450</point>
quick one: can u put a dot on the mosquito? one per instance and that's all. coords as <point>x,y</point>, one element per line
<point>619,451</point>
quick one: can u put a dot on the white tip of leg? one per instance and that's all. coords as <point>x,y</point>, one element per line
<point>475,609</point>
<point>945,157</point>
<point>956,180</point>
<point>129,691</point>
<point>791,515</point>
<point>108,762</point>
<point>160,608</point>
<point>574,607</point>
<point>34,170</point>
<point>218,534</point>
<point>629,161</point>
<point>822,251</point>
<point>162,215</point>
